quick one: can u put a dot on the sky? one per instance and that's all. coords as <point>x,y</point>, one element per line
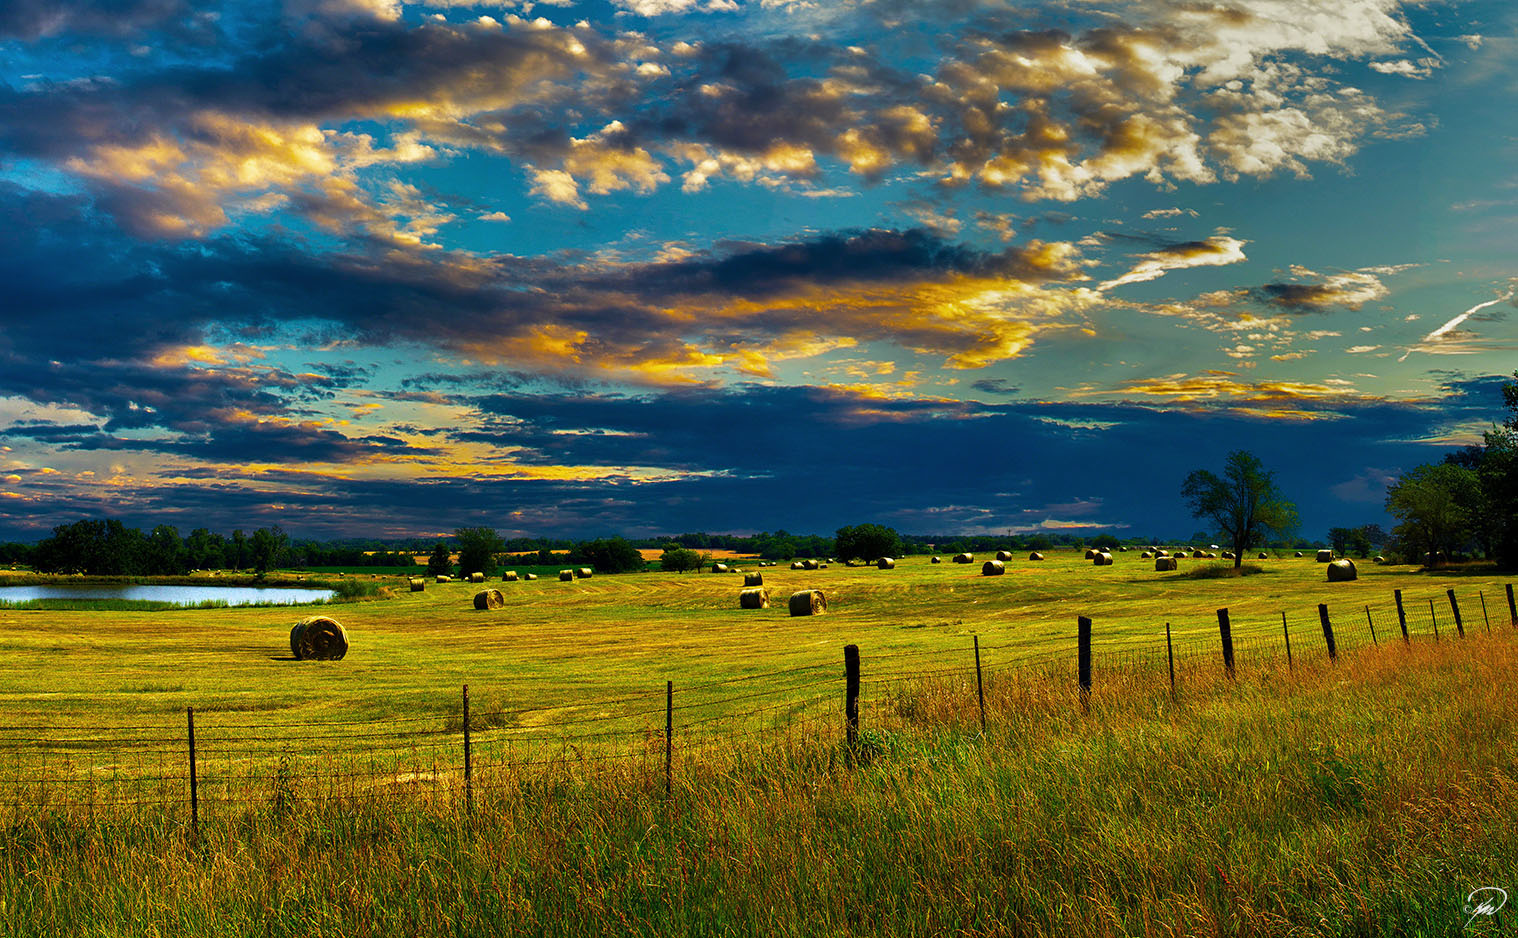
<point>383,268</point>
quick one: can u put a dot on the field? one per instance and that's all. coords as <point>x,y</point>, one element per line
<point>1367,797</point>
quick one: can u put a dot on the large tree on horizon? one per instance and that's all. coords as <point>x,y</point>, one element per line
<point>1243,503</point>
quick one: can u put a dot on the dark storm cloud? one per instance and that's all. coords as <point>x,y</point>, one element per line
<point>36,19</point>
<point>994,386</point>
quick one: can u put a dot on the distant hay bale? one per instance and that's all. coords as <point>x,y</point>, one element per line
<point>756,598</point>
<point>318,638</point>
<point>808,603</point>
<point>1035,556</point>
<point>797,565</point>
<point>510,576</point>
<point>1091,553</point>
<point>810,565</point>
<point>1263,556</point>
<point>1124,549</point>
<point>1102,560</point>
<point>444,578</point>
<point>566,575</point>
<point>417,584</point>
<point>936,560</point>
<point>1297,554</point>
<point>1325,556</point>
<point>1161,553</point>
<point>753,579</point>
<point>993,568</point>
<point>886,563</point>
<point>489,599</point>
<point>1164,564</point>
<point>1227,555</point>
<point>1145,555</point>
<point>529,576</point>
<point>477,577</point>
<point>1004,555</point>
<point>719,568</point>
<point>964,558</point>
<point>1340,571</point>
<point>584,573</point>
<point>1380,559</point>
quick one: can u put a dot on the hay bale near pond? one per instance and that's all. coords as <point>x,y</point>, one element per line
<point>993,568</point>
<point>756,598</point>
<point>489,599</point>
<point>1342,571</point>
<point>808,603</point>
<point>318,638</point>
<point>417,584</point>
<point>753,579</point>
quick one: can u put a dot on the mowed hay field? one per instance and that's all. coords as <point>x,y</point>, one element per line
<point>569,645</point>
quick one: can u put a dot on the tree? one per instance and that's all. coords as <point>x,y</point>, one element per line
<point>441,561</point>
<point>612,555</point>
<point>1244,504</point>
<point>266,548</point>
<point>1436,505</point>
<point>866,542</point>
<point>166,555</point>
<point>477,549</point>
<point>676,559</point>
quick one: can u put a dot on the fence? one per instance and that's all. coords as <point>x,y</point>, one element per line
<point>223,764</point>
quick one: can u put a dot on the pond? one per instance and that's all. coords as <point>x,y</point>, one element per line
<point>182,595</point>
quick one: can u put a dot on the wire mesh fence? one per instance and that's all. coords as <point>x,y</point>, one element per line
<point>202,766</point>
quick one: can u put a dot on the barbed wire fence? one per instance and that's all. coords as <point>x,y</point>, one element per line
<point>224,766</point>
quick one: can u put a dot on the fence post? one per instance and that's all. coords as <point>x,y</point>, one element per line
<point>1328,632</point>
<point>1484,617</point>
<point>1225,630</point>
<point>1083,660</point>
<point>194,780</point>
<point>468,759</point>
<point>851,693</point>
<point>980,690</point>
<point>1170,655</point>
<point>1401,616</point>
<point>1287,632</point>
<point>669,736</point>
<point>1432,617</point>
<point>1459,625</point>
<point>1372,623</point>
<point>1512,610</point>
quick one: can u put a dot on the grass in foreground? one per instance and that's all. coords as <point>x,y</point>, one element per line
<point>1365,798</point>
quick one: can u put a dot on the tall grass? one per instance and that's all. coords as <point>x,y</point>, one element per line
<point>1368,797</point>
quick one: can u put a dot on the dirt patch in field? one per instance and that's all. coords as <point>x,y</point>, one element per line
<point>652,553</point>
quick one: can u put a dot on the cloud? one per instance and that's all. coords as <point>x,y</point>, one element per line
<point>1216,251</point>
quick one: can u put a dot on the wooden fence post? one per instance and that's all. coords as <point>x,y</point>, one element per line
<point>1484,617</point>
<point>1328,632</point>
<point>1459,625</point>
<point>194,779</point>
<point>1287,632</point>
<point>669,736</point>
<point>1372,623</point>
<point>468,759</point>
<point>1170,655</point>
<point>851,692</point>
<point>1083,660</point>
<point>1225,631</point>
<point>1401,616</point>
<point>980,688</point>
<point>1434,618</point>
<point>1512,610</point>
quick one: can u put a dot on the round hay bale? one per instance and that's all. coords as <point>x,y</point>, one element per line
<point>444,578</point>
<point>1340,571</point>
<point>489,599</point>
<point>418,584</point>
<point>1325,556</point>
<point>1297,554</point>
<point>756,598</point>
<point>510,576</point>
<point>964,558</point>
<point>753,579</point>
<point>1380,559</point>
<point>936,560</point>
<point>886,563</point>
<point>1004,555</point>
<point>719,568</point>
<point>318,638</point>
<point>808,603</point>
<point>797,565</point>
<point>1102,560</point>
<point>529,576</point>
<point>583,573</point>
<point>823,566</point>
<point>1227,555</point>
<point>1164,564</point>
<point>477,577</point>
<point>1091,553</point>
<point>993,568</point>
<point>1146,555</point>
<point>810,565</point>
<point>1161,553</point>
<point>1035,556</point>
<point>1123,549</point>
<point>566,575</point>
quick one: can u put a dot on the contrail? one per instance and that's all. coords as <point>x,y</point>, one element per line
<point>1443,330</point>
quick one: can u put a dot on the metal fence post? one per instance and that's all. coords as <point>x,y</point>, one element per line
<point>1328,632</point>
<point>980,689</point>
<point>851,693</point>
<point>1455,606</point>
<point>194,779</point>
<point>1083,660</point>
<point>468,758</point>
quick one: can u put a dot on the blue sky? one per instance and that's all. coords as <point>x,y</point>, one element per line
<point>381,267</point>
